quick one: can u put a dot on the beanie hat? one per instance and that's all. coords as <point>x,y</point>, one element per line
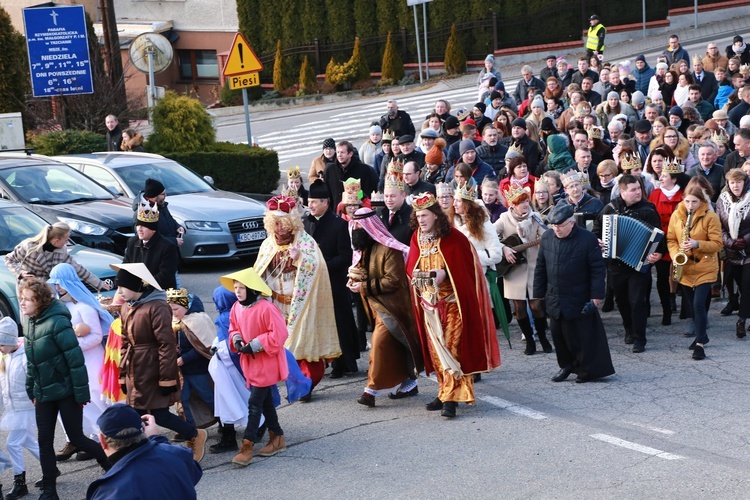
<point>375,129</point>
<point>677,111</point>
<point>655,95</point>
<point>537,102</point>
<point>662,65</point>
<point>481,107</point>
<point>451,122</point>
<point>153,188</point>
<point>466,145</point>
<point>495,95</point>
<point>638,97</point>
<point>613,95</point>
<point>548,125</point>
<point>490,58</point>
<point>640,58</point>
<point>8,331</point>
<point>329,143</point>
<point>500,87</point>
<point>737,39</point>
<point>519,122</point>
<point>435,155</point>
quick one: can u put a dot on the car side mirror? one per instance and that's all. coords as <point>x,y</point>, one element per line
<point>209,179</point>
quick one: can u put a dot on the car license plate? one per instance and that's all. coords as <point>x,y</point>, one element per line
<point>253,236</point>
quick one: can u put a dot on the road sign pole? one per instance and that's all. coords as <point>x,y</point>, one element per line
<point>151,86</point>
<point>247,117</point>
<point>426,57</point>
<point>416,36</point>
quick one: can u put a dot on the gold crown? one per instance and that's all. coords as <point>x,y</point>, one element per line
<point>423,201</point>
<point>719,137</point>
<point>541,184</point>
<point>466,191</point>
<point>444,189</point>
<point>395,166</point>
<point>147,212</point>
<point>376,197</point>
<point>745,69</point>
<point>293,173</point>
<point>387,136</point>
<point>290,192</point>
<point>571,175</point>
<point>672,166</point>
<point>394,180</point>
<point>352,186</point>
<point>351,199</point>
<point>697,59</point>
<point>463,114</point>
<point>582,109</point>
<point>178,296</point>
<point>515,148</point>
<point>595,133</point>
<point>515,193</point>
<point>629,162</point>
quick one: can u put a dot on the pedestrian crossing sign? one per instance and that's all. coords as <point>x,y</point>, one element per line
<point>241,58</point>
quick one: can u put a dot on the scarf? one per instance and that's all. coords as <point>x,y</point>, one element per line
<point>608,184</point>
<point>519,182</point>
<point>738,210</point>
<point>740,49</point>
<point>376,229</point>
<point>669,193</point>
<point>523,224</point>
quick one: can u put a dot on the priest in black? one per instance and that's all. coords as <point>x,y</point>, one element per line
<point>331,233</point>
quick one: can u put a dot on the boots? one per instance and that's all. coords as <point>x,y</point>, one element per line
<point>673,302</point>
<point>19,487</point>
<point>528,334</point>
<point>68,451</point>
<point>666,314</point>
<point>228,441</point>
<point>245,456</point>
<point>49,489</point>
<point>198,444</point>
<point>541,332</point>
<point>40,483</point>
<point>732,306</point>
<point>609,301</point>
<point>275,444</point>
<point>741,332</point>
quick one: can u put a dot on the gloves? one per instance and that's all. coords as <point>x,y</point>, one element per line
<point>739,244</point>
<point>166,391</point>
<point>237,342</point>
<point>247,349</point>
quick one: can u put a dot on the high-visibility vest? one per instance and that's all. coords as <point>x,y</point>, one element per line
<point>592,42</point>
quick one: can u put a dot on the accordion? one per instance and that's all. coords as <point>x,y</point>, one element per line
<point>629,240</point>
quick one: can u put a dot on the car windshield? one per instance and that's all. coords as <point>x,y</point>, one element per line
<point>17,224</point>
<point>176,178</point>
<point>52,184</point>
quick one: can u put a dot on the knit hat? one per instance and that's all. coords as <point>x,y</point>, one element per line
<point>490,58</point>
<point>537,102</point>
<point>153,188</point>
<point>621,116</point>
<point>481,107</point>
<point>495,95</point>
<point>8,331</point>
<point>466,145</point>
<point>638,98</point>
<point>613,95</point>
<point>435,155</point>
<point>737,39</point>
<point>451,122</point>
<point>329,143</point>
<point>119,418</point>
<point>662,65</point>
<point>640,58</point>
<point>548,125</point>
<point>375,129</point>
<point>500,87</point>
<point>655,95</point>
<point>519,122</point>
<point>677,111</point>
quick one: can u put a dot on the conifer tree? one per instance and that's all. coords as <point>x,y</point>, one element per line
<point>307,77</point>
<point>392,68</point>
<point>362,71</point>
<point>279,82</point>
<point>455,58</point>
<point>14,67</point>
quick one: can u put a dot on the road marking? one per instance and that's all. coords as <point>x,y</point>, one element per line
<point>513,407</point>
<point>636,447</point>
<point>654,429</point>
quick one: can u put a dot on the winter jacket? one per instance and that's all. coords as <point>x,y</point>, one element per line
<point>56,368</point>
<point>494,156</point>
<point>26,258</point>
<point>642,77</point>
<point>158,254</point>
<point>13,380</point>
<point>586,205</point>
<point>178,473</point>
<point>569,273</point>
<point>673,57</point>
<point>722,96</point>
<point>703,262</point>
<point>723,207</point>
<point>665,207</point>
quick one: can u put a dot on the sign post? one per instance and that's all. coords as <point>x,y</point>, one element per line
<point>58,47</point>
<point>413,4</point>
<point>242,70</point>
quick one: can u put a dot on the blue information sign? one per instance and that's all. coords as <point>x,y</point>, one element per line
<point>58,48</point>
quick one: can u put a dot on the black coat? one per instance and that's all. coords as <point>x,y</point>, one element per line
<point>114,139</point>
<point>421,187</point>
<point>709,86</point>
<point>331,233</point>
<point>494,156</point>
<point>415,156</point>
<point>160,256</point>
<point>335,176</point>
<point>400,229</point>
<point>400,124</point>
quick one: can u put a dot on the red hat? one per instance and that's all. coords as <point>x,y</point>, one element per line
<point>281,205</point>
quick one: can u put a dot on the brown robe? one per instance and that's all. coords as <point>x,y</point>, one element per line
<point>149,355</point>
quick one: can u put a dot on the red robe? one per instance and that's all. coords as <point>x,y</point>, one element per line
<point>479,350</point>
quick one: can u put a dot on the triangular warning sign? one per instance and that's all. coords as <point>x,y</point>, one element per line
<point>241,58</point>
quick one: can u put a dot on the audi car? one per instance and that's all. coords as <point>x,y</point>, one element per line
<point>218,224</point>
<point>98,218</point>
<point>18,223</point>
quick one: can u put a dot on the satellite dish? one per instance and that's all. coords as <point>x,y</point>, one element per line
<point>162,52</point>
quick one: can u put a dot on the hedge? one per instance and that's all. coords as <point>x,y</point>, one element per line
<point>64,142</point>
<point>235,167</point>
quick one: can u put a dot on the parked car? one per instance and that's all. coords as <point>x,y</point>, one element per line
<point>56,192</point>
<point>18,223</point>
<point>218,224</point>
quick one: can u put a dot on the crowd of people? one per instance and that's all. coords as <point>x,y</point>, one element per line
<point>431,236</point>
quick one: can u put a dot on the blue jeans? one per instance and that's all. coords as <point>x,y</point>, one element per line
<point>695,303</point>
<point>201,384</point>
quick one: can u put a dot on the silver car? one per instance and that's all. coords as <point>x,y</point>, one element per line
<point>218,224</point>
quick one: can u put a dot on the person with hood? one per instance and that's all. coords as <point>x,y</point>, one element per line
<point>149,374</point>
<point>695,230</point>
<point>258,331</point>
<point>56,378</point>
<point>738,49</point>
<point>90,323</point>
<point>642,74</point>
<point>558,157</point>
<point>18,417</point>
<point>371,147</point>
<point>488,72</point>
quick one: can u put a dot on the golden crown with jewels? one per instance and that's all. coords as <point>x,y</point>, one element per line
<point>515,193</point>
<point>466,191</point>
<point>293,173</point>
<point>595,133</point>
<point>629,162</point>
<point>423,201</point>
<point>147,212</point>
<point>719,137</point>
<point>672,166</point>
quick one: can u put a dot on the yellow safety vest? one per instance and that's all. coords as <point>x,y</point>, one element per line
<point>592,42</point>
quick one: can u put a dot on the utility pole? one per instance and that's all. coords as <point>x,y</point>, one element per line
<point>112,57</point>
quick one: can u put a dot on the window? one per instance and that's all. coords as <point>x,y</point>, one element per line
<point>198,64</point>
